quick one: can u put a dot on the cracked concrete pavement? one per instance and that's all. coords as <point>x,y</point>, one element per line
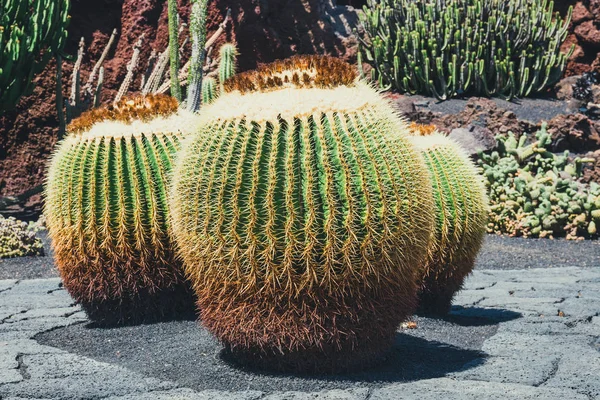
<point>539,338</point>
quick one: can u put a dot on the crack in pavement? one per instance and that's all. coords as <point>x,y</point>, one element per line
<point>10,287</point>
<point>22,367</point>
<point>6,319</point>
<point>551,374</point>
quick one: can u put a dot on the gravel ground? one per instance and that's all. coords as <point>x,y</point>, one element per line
<point>513,334</point>
<point>175,351</point>
<point>526,326</point>
<point>533,110</point>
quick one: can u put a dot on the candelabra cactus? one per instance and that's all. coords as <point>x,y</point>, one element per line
<point>31,32</point>
<point>534,192</point>
<point>107,215</point>
<point>448,48</point>
<point>302,213</point>
<point>461,209</point>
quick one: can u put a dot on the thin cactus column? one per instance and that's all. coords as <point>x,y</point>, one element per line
<point>174,48</point>
<point>198,37</point>
<point>31,33</point>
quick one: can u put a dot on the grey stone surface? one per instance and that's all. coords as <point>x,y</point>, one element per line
<point>537,332</point>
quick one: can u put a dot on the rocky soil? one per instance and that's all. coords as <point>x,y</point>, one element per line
<point>263,30</point>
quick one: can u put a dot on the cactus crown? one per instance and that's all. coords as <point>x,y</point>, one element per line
<point>422,129</point>
<point>295,72</point>
<point>127,110</point>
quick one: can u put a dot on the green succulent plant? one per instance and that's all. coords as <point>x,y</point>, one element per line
<point>534,192</point>
<point>461,220</point>
<point>303,214</point>
<point>18,239</point>
<point>107,214</point>
<point>227,66</point>
<point>31,33</point>
<point>448,48</point>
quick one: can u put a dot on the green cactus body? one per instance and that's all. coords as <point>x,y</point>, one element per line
<point>31,33</point>
<point>107,215</point>
<point>228,55</point>
<point>448,48</point>
<point>209,90</point>
<point>461,220</point>
<point>301,224</point>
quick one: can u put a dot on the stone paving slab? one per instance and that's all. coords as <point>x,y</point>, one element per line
<point>547,347</point>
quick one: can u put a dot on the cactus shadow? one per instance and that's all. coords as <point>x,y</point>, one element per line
<point>479,316</point>
<point>411,358</point>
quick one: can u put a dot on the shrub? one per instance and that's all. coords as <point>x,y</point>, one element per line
<point>448,48</point>
<point>107,214</point>
<point>302,214</point>
<point>535,193</point>
<point>18,239</point>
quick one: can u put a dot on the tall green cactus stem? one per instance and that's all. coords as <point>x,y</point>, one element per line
<point>107,216</point>
<point>31,33</point>
<point>461,220</point>
<point>302,214</point>
<point>198,36</point>
<point>228,56</point>
<point>174,49</point>
<point>448,48</point>
<point>209,90</point>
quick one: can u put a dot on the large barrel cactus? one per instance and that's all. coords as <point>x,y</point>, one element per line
<point>106,210</point>
<point>303,214</point>
<point>461,208</point>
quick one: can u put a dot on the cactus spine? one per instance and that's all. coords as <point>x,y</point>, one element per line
<point>301,224</point>
<point>107,213</point>
<point>461,208</point>
<point>448,48</point>
<point>28,29</point>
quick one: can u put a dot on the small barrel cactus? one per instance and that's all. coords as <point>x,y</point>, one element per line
<point>461,208</point>
<point>107,215</point>
<point>303,215</point>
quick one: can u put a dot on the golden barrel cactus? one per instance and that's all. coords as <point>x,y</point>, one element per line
<point>461,209</point>
<point>107,215</point>
<point>302,213</point>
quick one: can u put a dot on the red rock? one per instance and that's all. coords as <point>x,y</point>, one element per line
<point>263,31</point>
<point>594,7</point>
<point>570,41</point>
<point>574,132</point>
<point>588,32</point>
<point>581,13</point>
